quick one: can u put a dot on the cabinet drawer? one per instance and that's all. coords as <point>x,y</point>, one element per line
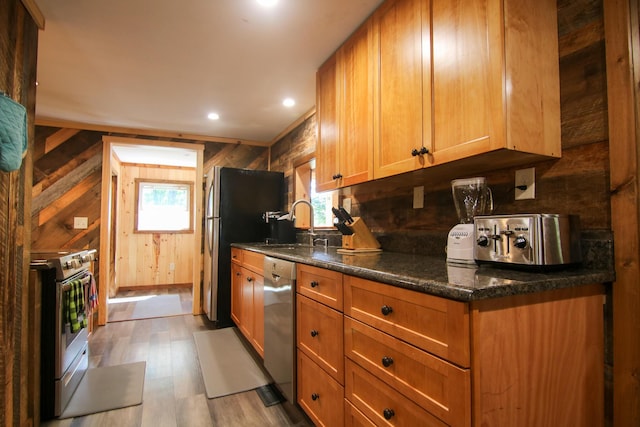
<point>319,332</point>
<point>322,285</point>
<point>319,395</point>
<point>381,403</point>
<point>253,261</point>
<point>355,418</point>
<point>439,387</point>
<point>236,255</point>
<point>437,325</point>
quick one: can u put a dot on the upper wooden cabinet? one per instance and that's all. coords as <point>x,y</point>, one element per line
<point>345,114</point>
<point>472,84</point>
<point>495,79</point>
<point>403,83</point>
<point>327,119</point>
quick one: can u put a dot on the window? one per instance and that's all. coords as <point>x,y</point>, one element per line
<point>305,188</point>
<point>163,206</point>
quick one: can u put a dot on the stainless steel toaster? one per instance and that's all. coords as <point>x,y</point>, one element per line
<point>528,239</point>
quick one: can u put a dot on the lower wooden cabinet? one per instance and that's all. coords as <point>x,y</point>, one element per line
<point>413,359</point>
<point>354,418</point>
<point>247,296</point>
<point>319,395</point>
<point>320,335</point>
<point>382,404</point>
<point>436,385</point>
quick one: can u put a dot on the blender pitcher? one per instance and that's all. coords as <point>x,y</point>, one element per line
<point>471,197</point>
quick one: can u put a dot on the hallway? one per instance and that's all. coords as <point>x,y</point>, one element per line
<point>174,393</point>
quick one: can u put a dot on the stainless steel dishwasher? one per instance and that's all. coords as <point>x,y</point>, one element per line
<point>280,324</point>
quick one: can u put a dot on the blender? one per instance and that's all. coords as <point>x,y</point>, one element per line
<point>471,197</point>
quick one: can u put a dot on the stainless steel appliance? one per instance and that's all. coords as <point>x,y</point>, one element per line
<point>64,342</point>
<point>236,200</point>
<point>471,197</point>
<point>279,324</point>
<point>528,239</point>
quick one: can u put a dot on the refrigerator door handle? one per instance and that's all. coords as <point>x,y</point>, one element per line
<point>209,220</point>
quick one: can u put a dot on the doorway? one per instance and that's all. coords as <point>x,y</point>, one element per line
<point>148,267</point>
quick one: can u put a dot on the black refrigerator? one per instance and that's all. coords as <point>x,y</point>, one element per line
<point>236,200</point>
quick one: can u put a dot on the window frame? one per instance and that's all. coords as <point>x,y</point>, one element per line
<point>138,182</point>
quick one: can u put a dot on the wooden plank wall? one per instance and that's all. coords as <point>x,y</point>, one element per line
<point>19,330</point>
<point>144,258</point>
<point>67,182</point>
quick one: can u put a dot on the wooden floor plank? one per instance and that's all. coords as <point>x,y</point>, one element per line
<point>174,393</point>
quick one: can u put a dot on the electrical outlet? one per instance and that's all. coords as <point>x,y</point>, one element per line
<point>172,266</point>
<point>80,222</point>
<point>418,197</point>
<point>526,180</point>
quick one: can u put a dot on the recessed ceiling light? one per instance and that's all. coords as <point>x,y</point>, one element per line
<point>288,102</point>
<point>268,3</point>
<point>213,116</point>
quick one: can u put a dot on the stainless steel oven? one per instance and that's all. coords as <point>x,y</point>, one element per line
<point>67,298</point>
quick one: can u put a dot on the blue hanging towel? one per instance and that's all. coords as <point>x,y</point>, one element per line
<point>13,134</point>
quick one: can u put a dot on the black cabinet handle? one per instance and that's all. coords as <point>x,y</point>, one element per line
<point>314,333</point>
<point>386,310</point>
<point>424,150</point>
<point>314,396</point>
<point>337,176</point>
<point>238,273</point>
<point>388,413</point>
<point>314,284</point>
<point>249,279</point>
<point>415,152</point>
<point>387,361</point>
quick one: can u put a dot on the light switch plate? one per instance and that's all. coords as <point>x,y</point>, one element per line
<point>80,222</point>
<point>418,197</point>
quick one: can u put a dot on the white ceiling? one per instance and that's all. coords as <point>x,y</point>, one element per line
<point>163,65</point>
<point>156,155</point>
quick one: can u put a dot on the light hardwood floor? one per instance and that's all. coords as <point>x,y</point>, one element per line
<point>174,393</point>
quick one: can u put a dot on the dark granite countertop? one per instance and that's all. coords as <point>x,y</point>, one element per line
<point>433,275</point>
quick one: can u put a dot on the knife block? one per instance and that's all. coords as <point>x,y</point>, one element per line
<point>361,237</point>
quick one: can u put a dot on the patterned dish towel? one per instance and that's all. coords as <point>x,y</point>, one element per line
<point>75,310</point>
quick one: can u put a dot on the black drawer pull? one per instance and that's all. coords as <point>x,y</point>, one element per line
<point>314,396</point>
<point>386,310</point>
<point>387,361</point>
<point>249,279</point>
<point>388,413</point>
<point>314,284</point>
<point>314,333</point>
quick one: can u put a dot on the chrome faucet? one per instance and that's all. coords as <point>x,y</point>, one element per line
<point>293,208</point>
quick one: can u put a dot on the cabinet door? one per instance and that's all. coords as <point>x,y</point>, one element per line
<point>437,386</point>
<point>257,339</point>
<point>236,293</point>
<point>320,284</point>
<point>247,315</point>
<point>320,335</point>
<point>437,325</point>
<point>382,404</point>
<point>467,78</point>
<point>356,106</point>
<point>327,116</point>
<point>403,100</point>
<point>319,395</point>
